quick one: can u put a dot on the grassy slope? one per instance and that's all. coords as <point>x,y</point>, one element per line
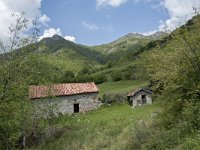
<point>120,47</point>
<point>67,55</point>
<point>124,53</point>
<point>120,86</point>
<point>106,128</point>
<point>128,43</point>
<point>67,60</point>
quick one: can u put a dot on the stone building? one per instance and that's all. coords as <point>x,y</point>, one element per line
<point>65,98</point>
<point>140,97</point>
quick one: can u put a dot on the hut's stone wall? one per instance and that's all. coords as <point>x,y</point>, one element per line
<point>65,104</point>
<point>137,99</point>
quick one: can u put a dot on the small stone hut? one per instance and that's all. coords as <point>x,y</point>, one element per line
<point>140,97</point>
<point>66,98</point>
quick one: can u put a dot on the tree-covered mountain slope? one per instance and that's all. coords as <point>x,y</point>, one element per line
<point>89,62</point>
<point>65,55</point>
<point>128,43</point>
<point>62,60</point>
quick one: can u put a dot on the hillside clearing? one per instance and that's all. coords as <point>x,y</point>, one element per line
<point>120,86</point>
<point>109,127</point>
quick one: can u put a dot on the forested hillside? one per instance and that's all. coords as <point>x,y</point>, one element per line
<point>59,60</point>
<point>169,62</point>
<point>173,68</point>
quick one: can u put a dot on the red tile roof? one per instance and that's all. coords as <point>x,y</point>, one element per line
<point>64,89</point>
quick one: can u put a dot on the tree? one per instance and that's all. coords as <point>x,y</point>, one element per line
<point>174,70</point>
<point>13,84</point>
<point>68,77</point>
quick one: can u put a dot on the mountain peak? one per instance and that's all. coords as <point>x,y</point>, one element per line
<point>134,34</point>
<point>56,37</point>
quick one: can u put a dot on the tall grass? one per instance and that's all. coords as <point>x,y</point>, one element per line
<point>109,127</point>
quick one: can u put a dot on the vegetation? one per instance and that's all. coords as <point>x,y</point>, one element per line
<point>170,63</point>
<point>109,127</point>
<point>110,62</point>
<point>173,68</point>
<point>120,87</point>
<point>14,114</point>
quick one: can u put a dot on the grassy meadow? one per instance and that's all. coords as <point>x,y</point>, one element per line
<point>109,127</point>
<point>120,86</point>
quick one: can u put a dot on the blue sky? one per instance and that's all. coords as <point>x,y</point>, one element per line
<point>92,25</point>
<point>94,22</point>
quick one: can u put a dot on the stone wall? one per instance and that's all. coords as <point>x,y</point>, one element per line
<point>137,99</point>
<point>65,104</point>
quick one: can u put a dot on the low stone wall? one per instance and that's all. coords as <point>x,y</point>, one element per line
<point>65,104</point>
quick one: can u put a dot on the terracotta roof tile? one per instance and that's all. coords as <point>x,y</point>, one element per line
<point>64,89</point>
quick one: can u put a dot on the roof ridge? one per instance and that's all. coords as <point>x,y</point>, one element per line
<point>63,89</point>
<point>62,84</point>
<point>132,93</point>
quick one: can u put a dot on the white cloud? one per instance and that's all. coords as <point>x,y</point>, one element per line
<point>180,11</point>
<point>116,3</point>
<point>8,7</point>
<point>52,31</point>
<point>44,19</point>
<point>31,7</point>
<point>70,38</point>
<point>91,27</point>
<point>113,3</point>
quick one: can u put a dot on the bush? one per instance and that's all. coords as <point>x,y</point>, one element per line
<point>90,78</point>
<point>146,138</point>
<point>99,79</point>
<point>116,76</point>
<point>114,98</point>
<point>192,142</point>
<point>84,78</point>
<point>84,71</point>
<point>163,139</point>
<point>68,77</point>
<point>140,136</point>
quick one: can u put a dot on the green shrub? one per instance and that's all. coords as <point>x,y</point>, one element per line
<point>99,79</point>
<point>68,77</point>
<point>145,138</point>
<point>192,143</point>
<point>140,136</point>
<point>84,78</point>
<point>126,75</point>
<point>114,98</point>
<point>116,76</point>
<point>163,139</point>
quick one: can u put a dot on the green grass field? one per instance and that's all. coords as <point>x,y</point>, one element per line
<point>120,86</point>
<point>109,127</point>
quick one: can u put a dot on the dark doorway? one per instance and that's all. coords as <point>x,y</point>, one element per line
<point>76,108</point>
<point>144,100</point>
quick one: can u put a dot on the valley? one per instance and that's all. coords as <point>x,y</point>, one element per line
<point>166,64</point>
